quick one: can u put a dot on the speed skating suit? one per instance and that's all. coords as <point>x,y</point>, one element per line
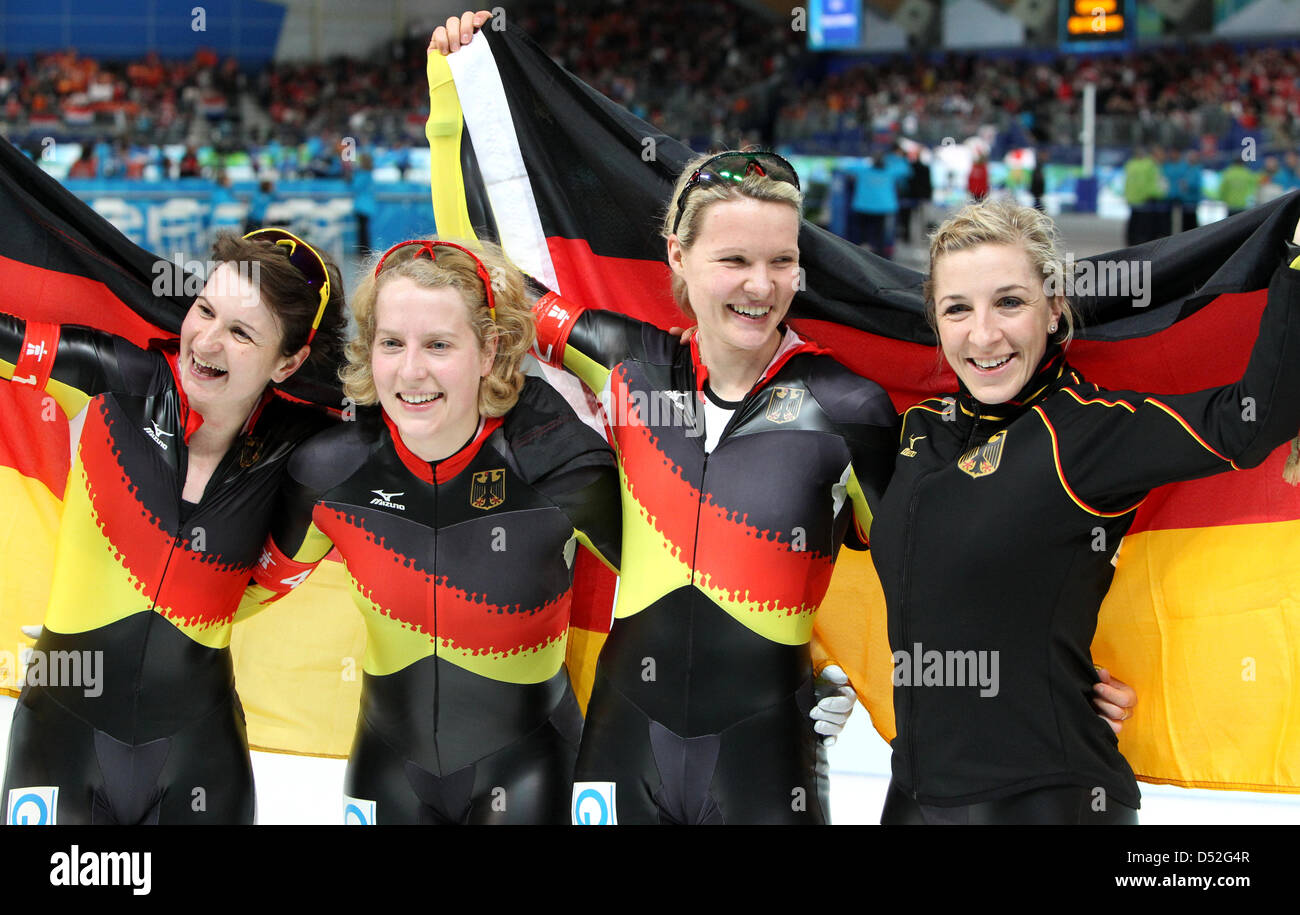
<point>699,711</point>
<point>145,592</point>
<point>462,570</point>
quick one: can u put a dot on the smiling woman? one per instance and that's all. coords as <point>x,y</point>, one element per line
<point>456,506</point>
<point>990,305</point>
<point>702,696</point>
<point>1020,487</point>
<point>427,363</point>
<point>173,484</point>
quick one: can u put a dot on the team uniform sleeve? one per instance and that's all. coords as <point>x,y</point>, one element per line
<point>293,548</point>
<point>571,465</point>
<point>865,418</point>
<point>872,445</point>
<point>1113,447</point>
<point>589,342</point>
<point>70,363</point>
<point>589,497</point>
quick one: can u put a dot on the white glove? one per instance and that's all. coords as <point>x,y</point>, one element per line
<point>835,700</point>
<point>33,633</point>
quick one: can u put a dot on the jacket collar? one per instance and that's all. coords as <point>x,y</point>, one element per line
<point>1052,373</point>
<point>791,345</point>
<point>448,467</point>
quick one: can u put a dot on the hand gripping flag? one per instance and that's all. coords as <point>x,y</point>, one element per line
<point>1201,617</point>
<point>62,263</point>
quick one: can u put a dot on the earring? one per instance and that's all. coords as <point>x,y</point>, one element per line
<point>1052,328</point>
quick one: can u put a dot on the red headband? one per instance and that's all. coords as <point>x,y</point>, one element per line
<point>427,246</point>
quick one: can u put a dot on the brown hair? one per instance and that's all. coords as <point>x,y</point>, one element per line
<point>703,196</point>
<point>283,289</point>
<point>513,331</point>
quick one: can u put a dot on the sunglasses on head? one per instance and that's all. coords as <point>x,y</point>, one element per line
<point>308,261</point>
<point>732,168</point>
<point>426,248</point>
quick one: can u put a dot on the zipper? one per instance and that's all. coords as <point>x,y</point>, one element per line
<point>909,543</point>
<point>433,598</point>
<point>690,628</point>
<point>182,464</point>
<point>907,568</point>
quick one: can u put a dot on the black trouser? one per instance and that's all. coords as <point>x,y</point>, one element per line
<point>765,768</point>
<point>438,745</point>
<point>159,739</point>
<point>1057,805</point>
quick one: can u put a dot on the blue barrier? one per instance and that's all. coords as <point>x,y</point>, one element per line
<point>182,216</point>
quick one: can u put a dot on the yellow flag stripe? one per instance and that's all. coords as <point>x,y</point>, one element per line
<point>443,130</point>
<point>1216,688</point>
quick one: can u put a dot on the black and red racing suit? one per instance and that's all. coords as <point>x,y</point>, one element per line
<point>699,709</point>
<point>463,572</point>
<point>145,590</point>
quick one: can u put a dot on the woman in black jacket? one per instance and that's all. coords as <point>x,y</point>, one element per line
<point>997,536</point>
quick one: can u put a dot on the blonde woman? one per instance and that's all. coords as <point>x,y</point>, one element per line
<point>456,501</point>
<point>986,539</point>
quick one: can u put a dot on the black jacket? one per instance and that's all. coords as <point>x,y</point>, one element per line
<point>995,543</point>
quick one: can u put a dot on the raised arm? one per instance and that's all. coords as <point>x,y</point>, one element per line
<point>458,31</point>
<point>589,342</point>
<point>1113,447</point>
<point>71,363</point>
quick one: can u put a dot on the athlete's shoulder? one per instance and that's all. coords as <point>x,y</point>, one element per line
<point>335,450</point>
<point>942,407</point>
<point>845,395</point>
<point>1084,401</point>
<point>294,420</point>
<point>128,368</point>
<point>546,435</point>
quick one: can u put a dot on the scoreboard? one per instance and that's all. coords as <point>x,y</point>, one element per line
<point>1097,25</point>
<point>835,25</point>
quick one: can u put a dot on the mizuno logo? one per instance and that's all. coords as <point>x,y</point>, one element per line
<point>385,499</point>
<point>156,433</point>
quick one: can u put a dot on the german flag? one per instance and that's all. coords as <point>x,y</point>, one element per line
<point>1201,618</point>
<point>60,262</point>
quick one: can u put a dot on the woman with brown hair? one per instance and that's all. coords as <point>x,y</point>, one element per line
<point>173,484</point>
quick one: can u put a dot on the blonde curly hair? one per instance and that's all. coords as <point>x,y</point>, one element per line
<point>513,331</point>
